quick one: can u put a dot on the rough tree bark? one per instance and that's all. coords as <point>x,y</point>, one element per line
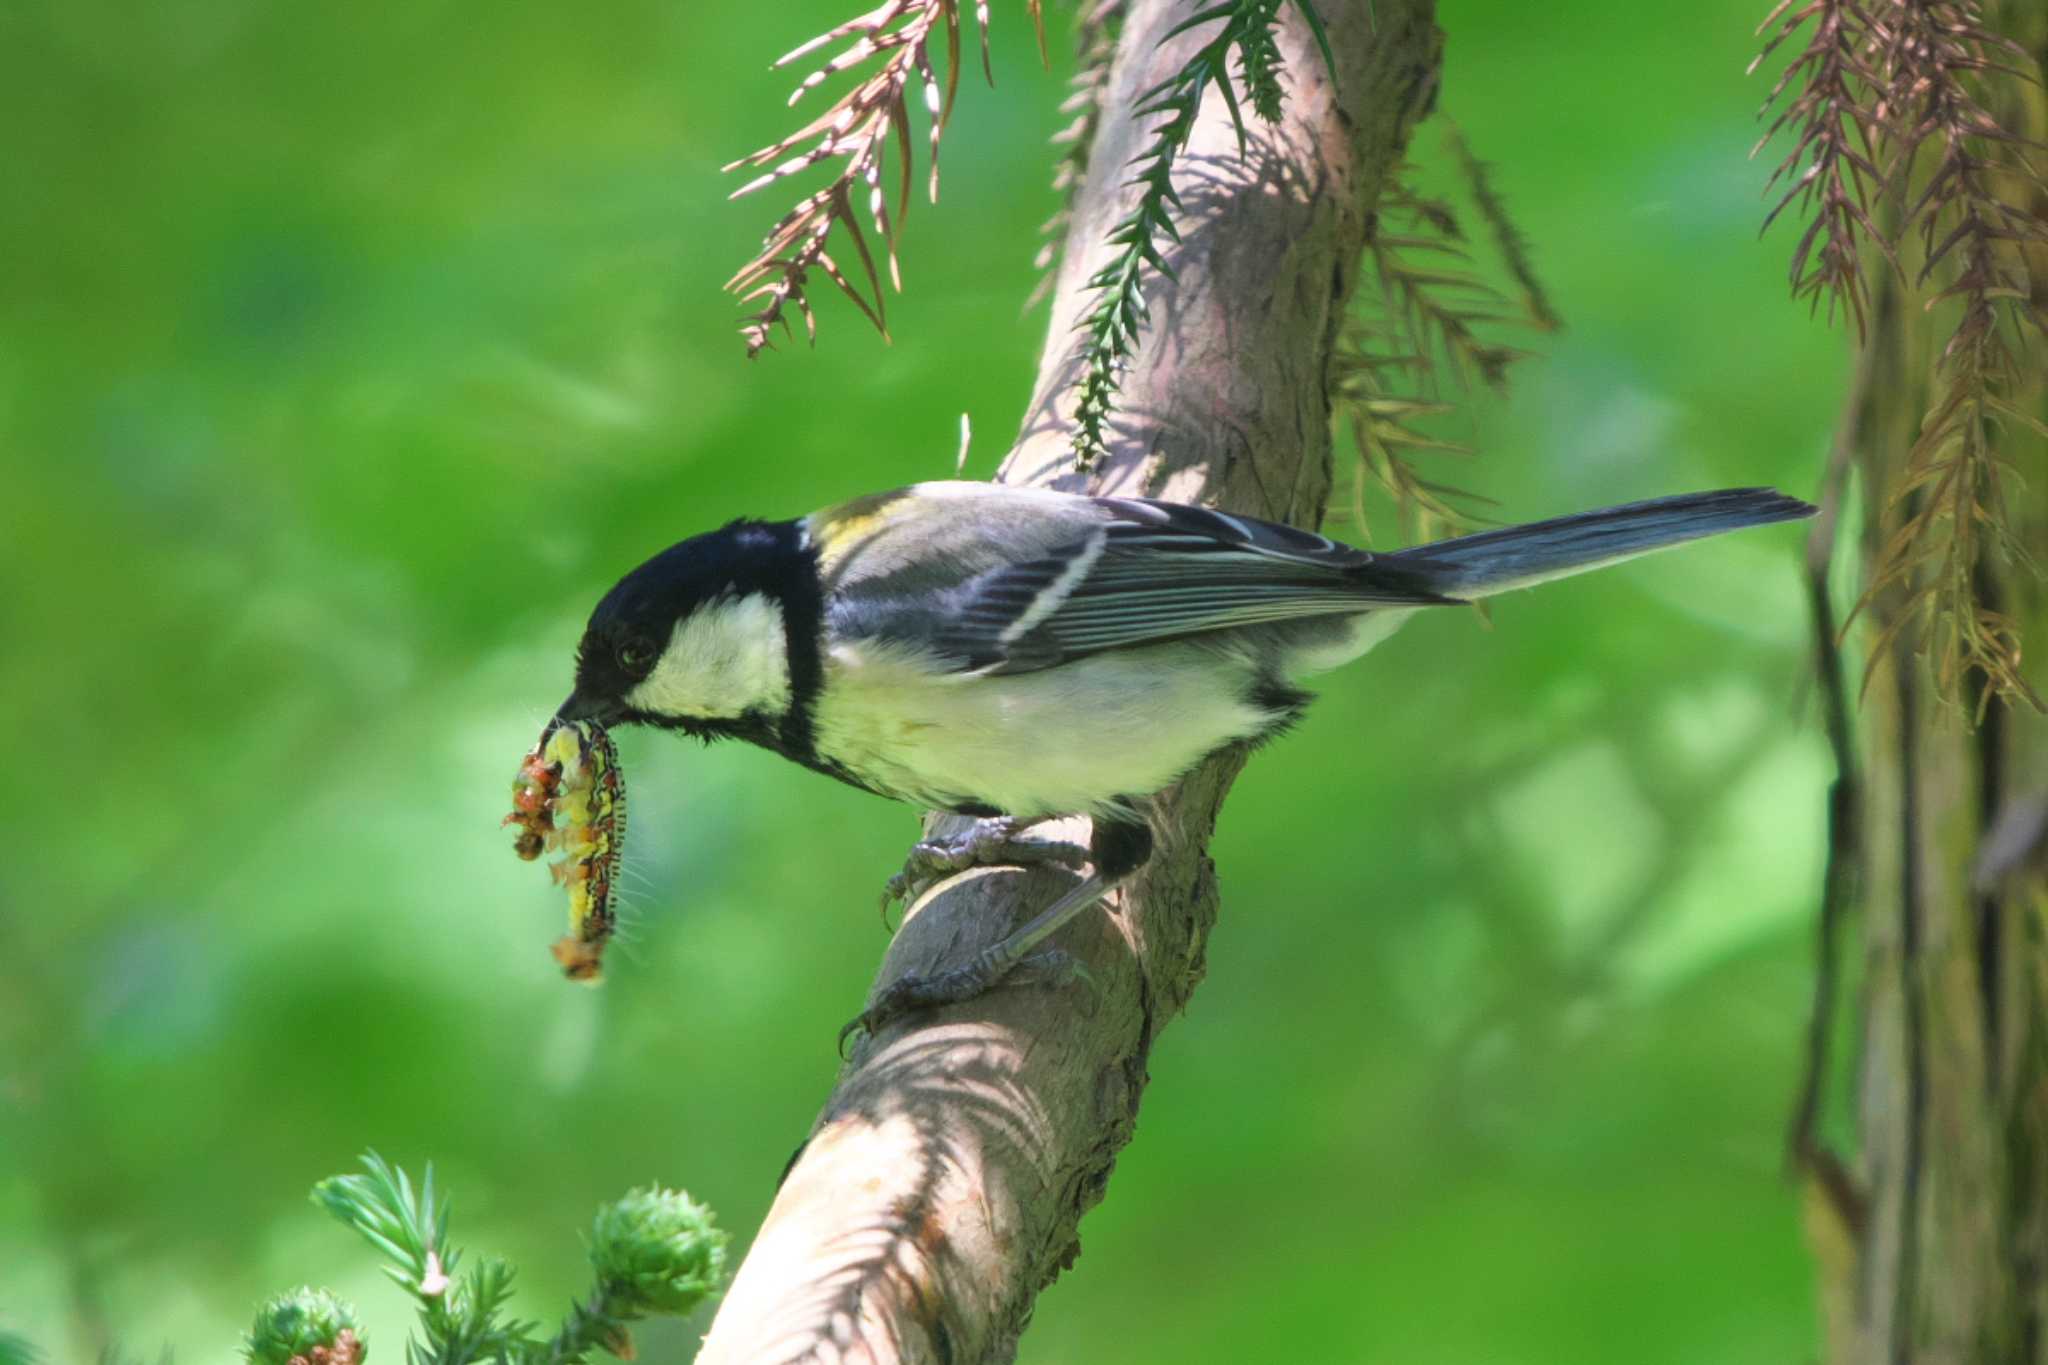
<point>941,1187</point>
<point>1932,1240</point>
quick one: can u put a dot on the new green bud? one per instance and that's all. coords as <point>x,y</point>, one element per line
<point>657,1251</point>
<point>305,1327</point>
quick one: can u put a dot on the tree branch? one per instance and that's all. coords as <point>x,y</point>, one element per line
<point>942,1185</point>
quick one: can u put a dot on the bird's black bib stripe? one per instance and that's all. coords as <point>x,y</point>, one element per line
<point>803,624</point>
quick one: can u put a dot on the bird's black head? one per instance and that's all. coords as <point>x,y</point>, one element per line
<point>695,638</point>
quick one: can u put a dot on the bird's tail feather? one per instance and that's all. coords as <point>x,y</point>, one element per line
<point>1522,556</point>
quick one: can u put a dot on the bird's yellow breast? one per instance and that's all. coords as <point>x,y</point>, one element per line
<point>1060,741</point>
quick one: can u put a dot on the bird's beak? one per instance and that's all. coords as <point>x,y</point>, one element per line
<point>582,706</point>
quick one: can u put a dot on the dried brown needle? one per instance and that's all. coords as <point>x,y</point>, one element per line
<point>897,37</point>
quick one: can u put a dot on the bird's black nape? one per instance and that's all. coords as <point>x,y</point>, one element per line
<point>737,560</point>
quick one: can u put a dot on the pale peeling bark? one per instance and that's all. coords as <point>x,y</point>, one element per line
<point>942,1186</point>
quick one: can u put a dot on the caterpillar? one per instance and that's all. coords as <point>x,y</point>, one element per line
<point>570,797</point>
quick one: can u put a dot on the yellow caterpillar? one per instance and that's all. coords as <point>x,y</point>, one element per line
<point>570,797</point>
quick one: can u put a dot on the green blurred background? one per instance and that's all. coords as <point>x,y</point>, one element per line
<point>347,352</point>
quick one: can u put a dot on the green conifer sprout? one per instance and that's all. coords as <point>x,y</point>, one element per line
<point>657,1251</point>
<point>297,1324</point>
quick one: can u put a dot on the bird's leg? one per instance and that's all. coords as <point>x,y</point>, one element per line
<point>988,843</point>
<point>1117,849</point>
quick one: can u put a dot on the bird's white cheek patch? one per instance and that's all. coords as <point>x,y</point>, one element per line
<point>725,659</point>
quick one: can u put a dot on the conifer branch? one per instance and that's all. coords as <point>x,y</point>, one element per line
<point>1434,309</point>
<point>857,129</point>
<point>1380,420</point>
<point>1831,171</point>
<point>655,1252</point>
<point>1884,83</point>
<point>1429,289</point>
<point>1120,311</point>
<point>1951,492</point>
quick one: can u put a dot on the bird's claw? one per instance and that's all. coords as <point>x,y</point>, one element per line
<point>988,843</point>
<point>1050,967</point>
<point>908,994</point>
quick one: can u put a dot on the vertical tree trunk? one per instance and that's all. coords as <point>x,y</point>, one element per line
<point>1935,1249</point>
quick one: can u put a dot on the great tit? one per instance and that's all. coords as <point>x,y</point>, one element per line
<point>1023,654</point>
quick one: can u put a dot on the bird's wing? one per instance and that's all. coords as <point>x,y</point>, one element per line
<point>1151,571</point>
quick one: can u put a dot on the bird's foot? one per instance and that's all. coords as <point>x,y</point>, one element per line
<point>908,994</point>
<point>1051,968</point>
<point>989,843</point>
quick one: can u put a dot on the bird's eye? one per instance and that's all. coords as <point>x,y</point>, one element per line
<point>635,656</point>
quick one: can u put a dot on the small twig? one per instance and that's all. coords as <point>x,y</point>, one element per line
<point>1805,1150</point>
<point>1507,238</point>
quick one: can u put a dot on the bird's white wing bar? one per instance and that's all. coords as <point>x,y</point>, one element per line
<point>1049,598</point>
